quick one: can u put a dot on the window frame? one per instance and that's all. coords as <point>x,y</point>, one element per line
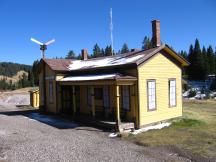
<point>122,100</point>
<point>147,89</point>
<point>169,81</point>
<point>51,95</point>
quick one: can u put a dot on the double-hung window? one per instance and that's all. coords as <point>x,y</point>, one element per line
<point>151,94</point>
<point>126,98</point>
<point>172,92</point>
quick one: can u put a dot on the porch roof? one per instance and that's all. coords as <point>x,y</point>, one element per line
<point>99,77</point>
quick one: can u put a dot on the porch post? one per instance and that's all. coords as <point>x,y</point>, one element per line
<point>118,121</point>
<point>93,101</point>
<point>74,100</point>
<point>133,95</point>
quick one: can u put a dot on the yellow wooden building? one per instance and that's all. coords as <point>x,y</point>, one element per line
<point>138,88</point>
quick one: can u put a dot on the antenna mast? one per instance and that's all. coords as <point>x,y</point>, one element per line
<point>111,30</point>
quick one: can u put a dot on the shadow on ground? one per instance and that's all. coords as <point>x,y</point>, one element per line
<point>57,121</point>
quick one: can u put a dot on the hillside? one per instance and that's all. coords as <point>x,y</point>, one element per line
<point>10,69</point>
<point>15,78</point>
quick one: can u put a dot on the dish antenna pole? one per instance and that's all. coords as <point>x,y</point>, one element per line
<point>111,30</point>
<point>43,46</point>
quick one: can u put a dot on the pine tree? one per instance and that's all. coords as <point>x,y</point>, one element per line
<point>146,44</point>
<point>71,55</point>
<point>125,48</point>
<point>102,52</point>
<point>108,51</point>
<point>196,70</point>
<point>35,73</point>
<point>189,70</point>
<point>211,60</point>
<point>96,51</point>
<point>183,54</point>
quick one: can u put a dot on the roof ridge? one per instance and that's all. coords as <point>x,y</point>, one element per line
<point>119,55</point>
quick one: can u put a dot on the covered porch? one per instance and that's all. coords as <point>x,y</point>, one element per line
<point>107,99</point>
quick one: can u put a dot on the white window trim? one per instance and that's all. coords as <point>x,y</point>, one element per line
<point>151,92</point>
<point>172,93</point>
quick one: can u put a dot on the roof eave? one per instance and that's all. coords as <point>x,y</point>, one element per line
<point>182,60</point>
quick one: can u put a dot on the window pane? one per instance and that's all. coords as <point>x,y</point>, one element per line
<point>172,93</point>
<point>151,95</point>
<point>125,98</point>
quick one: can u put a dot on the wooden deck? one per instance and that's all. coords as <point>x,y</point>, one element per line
<point>103,123</point>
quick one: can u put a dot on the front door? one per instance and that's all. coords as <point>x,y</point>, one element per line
<point>67,100</point>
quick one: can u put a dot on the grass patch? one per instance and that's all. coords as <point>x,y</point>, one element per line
<point>195,131</point>
<point>182,123</point>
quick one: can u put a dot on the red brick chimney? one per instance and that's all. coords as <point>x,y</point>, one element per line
<point>156,33</point>
<point>84,54</point>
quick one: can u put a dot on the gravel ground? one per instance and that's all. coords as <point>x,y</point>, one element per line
<point>14,98</point>
<point>28,136</point>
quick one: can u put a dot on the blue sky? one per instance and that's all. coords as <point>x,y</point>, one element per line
<point>80,24</point>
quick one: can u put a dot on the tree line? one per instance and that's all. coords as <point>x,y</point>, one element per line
<point>202,61</point>
<point>9,69</point>
<point>25,80</point>
<point>107,51</point>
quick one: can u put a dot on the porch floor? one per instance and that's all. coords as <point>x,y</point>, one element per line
<point>103,123</point>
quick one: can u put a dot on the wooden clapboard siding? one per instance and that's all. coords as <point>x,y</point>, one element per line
<point>41,89</point>
<point>84,107</point>
<point>160,68</point>
<point>51,107</point>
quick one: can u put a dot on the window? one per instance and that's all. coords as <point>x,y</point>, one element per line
<point>51,92</point>
<point>151,94</point>
<point>125,98</point>
<point>106,97</point>
<point>89,99</point>
<point>98,92</point>
<point>172,92</point>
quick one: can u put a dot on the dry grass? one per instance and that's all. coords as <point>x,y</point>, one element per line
<point>195,131</point>
<point>15,78</point>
